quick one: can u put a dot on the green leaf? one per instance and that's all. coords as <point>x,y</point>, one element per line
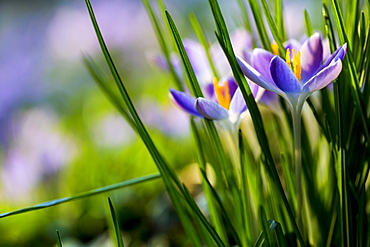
<point>273,27</point>
<point>308,23</point>
<point>59,239</point>
<point>109,93</point>
<point>117,228</point>
<point>82,195</point>
<point>194,85</point>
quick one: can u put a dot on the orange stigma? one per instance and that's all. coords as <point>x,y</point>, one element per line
<point>296,63</point>
<point>222,93</point>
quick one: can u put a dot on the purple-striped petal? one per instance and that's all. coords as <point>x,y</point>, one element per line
<point>185,102</point>
<point>324,77</point>
<point>210,109</point>
<point>260,60</point>
<point>256,77</point>
<point>237,104</point>
<point>338,54</point>
<point>284,77</point>
<point>311,56</point>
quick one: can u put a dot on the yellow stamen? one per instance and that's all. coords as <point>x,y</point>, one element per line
<point>296,63</point>
<point>287,57</point>
<point>275,48</point>
<point>222,93</point>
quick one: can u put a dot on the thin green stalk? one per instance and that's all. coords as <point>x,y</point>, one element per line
<point>296,116</point>
<point>82,195</point>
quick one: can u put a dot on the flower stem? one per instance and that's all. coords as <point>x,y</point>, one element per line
<point>296,116</point>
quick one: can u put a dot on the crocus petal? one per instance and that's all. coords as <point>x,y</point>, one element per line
<point>237,104</point>
<point>323,77</point>
<point>269,98</point>
<point>198,60</point>
<point>256,77</point>
<point>338,54</point>
<point>260,60</point>
<point>210,109</point>
<point>284,77</point>
<point>312,54</point>
<point>185,102</point>
<point>232,86</point>
<point>292,44</point>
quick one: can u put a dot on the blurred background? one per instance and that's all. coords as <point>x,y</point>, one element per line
<point>60,136</point>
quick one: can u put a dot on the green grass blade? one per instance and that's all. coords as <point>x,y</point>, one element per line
<point>265,226</point>
<point>109,93</point>
<point>270,226</point>
<point>59,239</point>
<point>207,187</point>
<point>273,27</point>
<point>261,28</point>
<point>117,228</point>
<point>308,23</point>
<point>143,133</point>
<point>350,62</point>
<point>82,195</point>
<point>245,15</point>
<point>279,16</point>
<point>200,215</point>
<point>194,85</point>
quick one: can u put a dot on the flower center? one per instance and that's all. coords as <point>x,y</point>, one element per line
<point>222,93</point>
<point>295,65</point>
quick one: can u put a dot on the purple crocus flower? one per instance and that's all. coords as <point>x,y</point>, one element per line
<point>302,73</point>
<point>228,103</point>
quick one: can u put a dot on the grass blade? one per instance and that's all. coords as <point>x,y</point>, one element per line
<point>82,195</point>
<point>59,239</point>
<point>117,228</point>
<point>308,23</point>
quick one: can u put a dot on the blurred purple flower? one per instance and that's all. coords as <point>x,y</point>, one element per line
<point>38,150</point>
<point>242,43</point>
<point>294,79</point>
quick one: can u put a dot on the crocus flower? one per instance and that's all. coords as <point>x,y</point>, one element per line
<point>302,73</point>
<point>228,103</point>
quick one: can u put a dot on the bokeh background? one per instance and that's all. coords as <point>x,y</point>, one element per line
<point>60,136</point>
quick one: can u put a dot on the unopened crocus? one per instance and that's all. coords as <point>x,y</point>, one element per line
<point>228,103</point>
